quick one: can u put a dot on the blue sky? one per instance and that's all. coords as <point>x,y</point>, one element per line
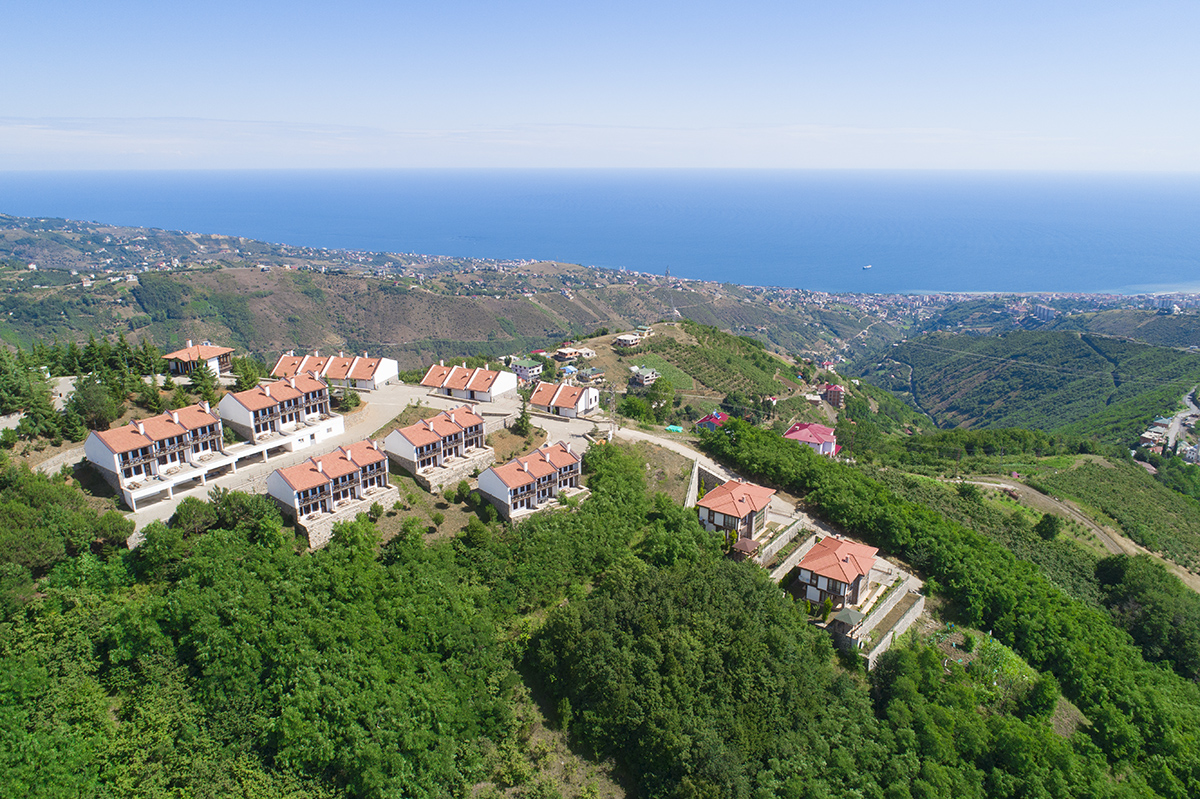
<point>847,84</point>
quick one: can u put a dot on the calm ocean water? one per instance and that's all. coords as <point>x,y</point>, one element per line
<point>920,231</point>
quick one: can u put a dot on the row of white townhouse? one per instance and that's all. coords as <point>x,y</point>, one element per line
<point>148,460</point>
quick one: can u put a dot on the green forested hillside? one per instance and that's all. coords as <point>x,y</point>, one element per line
<point>1079,384</point>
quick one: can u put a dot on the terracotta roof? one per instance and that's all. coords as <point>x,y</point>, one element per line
<point>307,383</point>
<point>541,462</point>
<point>342,461</point>
<point>543,394</point>
<point>465,417</point>
<point>436,376</point>
<point>338,368</point>
<point>811,433</point>
<point>365,368</point>
<point>435,428</point>
<point>194,416</point>
<point>737,499</point>
<point>839,559</point>
<point>364,453</point>
<point>483,380</point>
<point>123,439</point>
<point>303,476</point>
<point>458,378</point>
<point>259,397</point>
<point>287,365</point>
<point>568,397</point>
<point>200,352</point>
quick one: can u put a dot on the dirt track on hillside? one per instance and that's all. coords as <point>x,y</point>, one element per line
<point>1113,541</point>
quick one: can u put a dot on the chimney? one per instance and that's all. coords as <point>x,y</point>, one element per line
<point>441,363</point>
<point>341,353</point>
<point>141,428</point>
<point>291,353</point>
<point>525,466</point>
<point>364,353</point>
<point>189,342</point>
<point>568,446</point>
<point>267,389</point>
<point>320,466</point>
<point>175,417</point>
<point>205,406</point>
<point>292,381</point>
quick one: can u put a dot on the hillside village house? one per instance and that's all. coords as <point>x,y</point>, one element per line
<point>817,437</point>
<point>643,375</point>
<point>330,483</point>
<point>443,449</point>
<point>527,483</point>
<point>563,400</point>
<point>713,421</point>
<point>358,372</point>
<point>590,375</point>
<point>477,385</point>
<point>837,569</point>
<point>218,359</point>
<point>835,395</point>
<point>295,409</point>
<point>627,340</point>
<point>526,369</point>
<point>735,508</point>
<point>148,459</point>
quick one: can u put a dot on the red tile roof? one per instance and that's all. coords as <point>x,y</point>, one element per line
<point>323,468</point>
<point>717,418</point>
<point>436,376</point>
<point>839,559</point>
<point>435,428</point>
<point>123,439</point>
<point>811,433</point>
<point>543,461</point>
<point>737,499</point>
<point>200,352</point>
<point>365,368</point>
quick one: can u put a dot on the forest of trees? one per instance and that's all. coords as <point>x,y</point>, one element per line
<point>222,658</point>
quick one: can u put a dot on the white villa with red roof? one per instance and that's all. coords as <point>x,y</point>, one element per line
<point>477,385</point>
<point>525,484</point>
<point>838,569</point>
<point>148,459</point>
<point>563,400</point>
<point>818,437</point>
<point>296,409</point>
<point>218,359</point>
<point>735,508</point>
<point>443,449</point>
<point>359,372</point>
<point>338,483</point>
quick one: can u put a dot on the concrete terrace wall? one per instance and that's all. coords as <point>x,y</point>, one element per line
<point>879,612</point>
<point>777,543</point>
<point>897,630</point>
<point>782,569</point>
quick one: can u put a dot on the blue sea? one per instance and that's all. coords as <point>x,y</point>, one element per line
<point>919,231</point>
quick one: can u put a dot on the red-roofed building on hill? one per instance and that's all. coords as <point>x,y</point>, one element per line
<point>442,449</point>
<point>218,359</point>
<point>477,385</point>
<point>358,372</point>
<point>835,395</point>
<point>837,569</point>
<point>527,483</point>
<point>735,508</point>
<point>713,421</point>
<point>341,483</point>
<point>819,437</point>
<point>296,409</point>
<point>563,400</point>
<point>148,459</point>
